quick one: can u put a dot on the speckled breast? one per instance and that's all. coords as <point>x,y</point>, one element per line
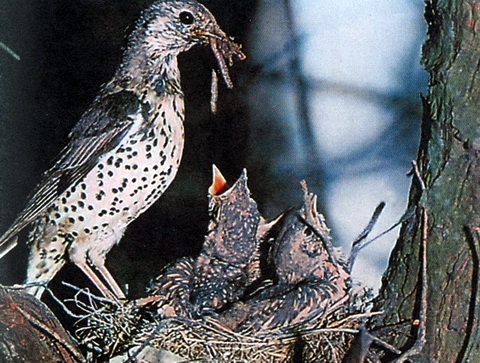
<point>127,180</point>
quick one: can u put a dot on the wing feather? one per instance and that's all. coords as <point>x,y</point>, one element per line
<point>99,131</point>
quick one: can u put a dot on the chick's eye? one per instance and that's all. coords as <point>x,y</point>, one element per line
<point>186,18</point>
<point>307,232</point>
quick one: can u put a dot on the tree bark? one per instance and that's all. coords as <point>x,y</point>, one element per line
<point>449,163</point>
<point>29,332</point>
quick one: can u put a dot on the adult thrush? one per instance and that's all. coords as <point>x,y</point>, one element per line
<point>123,153</point>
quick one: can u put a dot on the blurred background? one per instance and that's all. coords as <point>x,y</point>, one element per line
<point>330,93</point>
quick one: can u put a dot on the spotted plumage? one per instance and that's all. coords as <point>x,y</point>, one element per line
<point>123,153</point>
<point>170,292</point>
<point>227,264</point>
<point>229,260</point>
<point>311,277</point>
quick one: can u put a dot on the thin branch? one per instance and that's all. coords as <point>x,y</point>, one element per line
<point>417,173</point>
<point>9,51</point>
<point>90,295</point>
<point>357,243</point>
<point>406,216</point>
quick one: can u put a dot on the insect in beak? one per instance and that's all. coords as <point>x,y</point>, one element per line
<point>224,50</point>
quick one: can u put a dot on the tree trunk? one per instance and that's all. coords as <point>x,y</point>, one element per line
<point>449,163</point>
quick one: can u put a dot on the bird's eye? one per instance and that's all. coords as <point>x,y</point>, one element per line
<point>308,232</point>
<point>186,18</point>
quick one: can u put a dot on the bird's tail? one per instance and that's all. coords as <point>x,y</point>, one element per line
<point>9,239</point>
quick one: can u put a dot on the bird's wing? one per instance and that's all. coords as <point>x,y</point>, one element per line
<point>290,305</point>
<point>99,131</point>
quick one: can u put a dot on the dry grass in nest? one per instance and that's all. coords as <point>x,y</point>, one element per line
<point>206,339</point>
<point>109,329</point>
<point>104,326</point>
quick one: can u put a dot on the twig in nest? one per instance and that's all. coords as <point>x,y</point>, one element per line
<point>332,348</point>
<point>54,297</point>
<point>89,294</point>
<point>63,306</point>
<point>26,286</point>
<point>147,342</point>
<point>355,316</point>
<point>107,324</point>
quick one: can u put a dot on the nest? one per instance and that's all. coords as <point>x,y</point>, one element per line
<point>205,339</point>
<point>109,329</point>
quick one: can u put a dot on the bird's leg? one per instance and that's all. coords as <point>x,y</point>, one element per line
<point>110,280</point>
<point>87,270</point>
<point>83,255</point>
<point>96,258</point>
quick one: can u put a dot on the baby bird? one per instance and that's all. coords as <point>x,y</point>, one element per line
<point>229,260</point>
<point>311,277</point>
<point>227,264</point>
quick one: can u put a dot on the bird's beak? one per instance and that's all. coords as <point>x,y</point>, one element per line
<point>205,35</point>
<point>224,49</point>
<point>219,182</point>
